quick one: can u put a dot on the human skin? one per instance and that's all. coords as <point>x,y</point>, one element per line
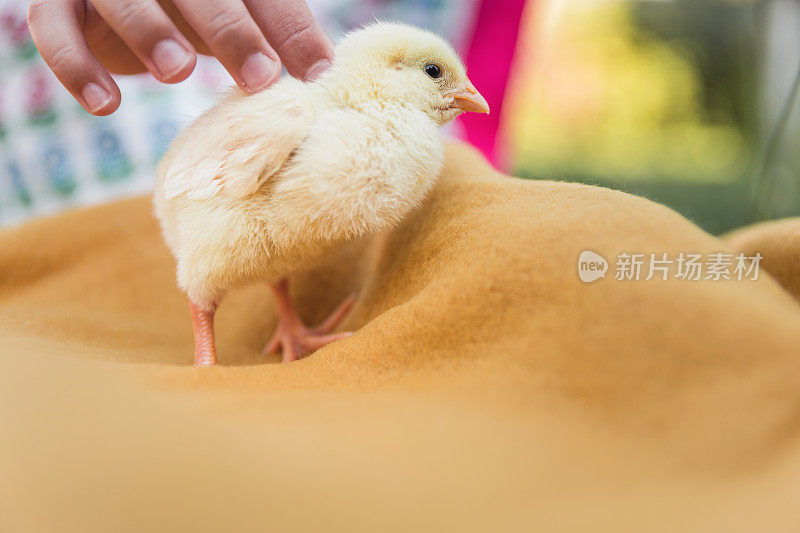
<point>84,41</point>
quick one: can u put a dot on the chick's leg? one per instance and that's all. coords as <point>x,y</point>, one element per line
<point>205,352</point>
<point>295,338</point>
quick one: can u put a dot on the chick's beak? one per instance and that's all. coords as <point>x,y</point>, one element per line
<point>470,100</point>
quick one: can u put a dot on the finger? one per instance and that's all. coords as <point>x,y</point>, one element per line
<point>107,47</point>
<point>151,35</point>
<point>55,27</point>
<point>305,50</point>
<point>235,39</point>
<point>184,27</point>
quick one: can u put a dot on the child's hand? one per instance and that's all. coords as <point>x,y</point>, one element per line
<point>83,40</point>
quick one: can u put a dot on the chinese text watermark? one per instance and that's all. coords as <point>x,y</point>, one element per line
<point>662,266</point>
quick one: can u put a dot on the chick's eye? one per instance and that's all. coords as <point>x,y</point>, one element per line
<point>433,70</point>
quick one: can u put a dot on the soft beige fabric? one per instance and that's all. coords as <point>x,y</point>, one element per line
<point>779,243</point>
<point>486,387</point>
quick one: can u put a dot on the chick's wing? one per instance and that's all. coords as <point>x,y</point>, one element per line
<point>238,144</point>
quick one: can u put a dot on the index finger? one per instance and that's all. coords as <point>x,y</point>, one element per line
<point>55,27</point>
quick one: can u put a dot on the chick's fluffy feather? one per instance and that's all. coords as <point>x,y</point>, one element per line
<point>260,186</point>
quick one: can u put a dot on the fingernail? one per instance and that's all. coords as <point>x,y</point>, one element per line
<point>95,96</point>
<point>318,69</point>
<point>258,71</point>
<point>170,58</point>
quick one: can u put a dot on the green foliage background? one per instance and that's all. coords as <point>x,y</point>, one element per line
<point>659,99</point>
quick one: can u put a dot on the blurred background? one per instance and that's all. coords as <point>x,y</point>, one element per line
<point>692,103</point>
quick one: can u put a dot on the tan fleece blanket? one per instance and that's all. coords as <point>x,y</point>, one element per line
<point>486,388</point>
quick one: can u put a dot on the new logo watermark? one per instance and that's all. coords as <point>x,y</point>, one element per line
<point>683,266</point>
<point>591,266</point>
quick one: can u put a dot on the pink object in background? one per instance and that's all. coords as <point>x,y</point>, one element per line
<point>489,58</point>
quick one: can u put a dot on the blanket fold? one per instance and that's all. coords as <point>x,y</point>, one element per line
<point>487,387</point>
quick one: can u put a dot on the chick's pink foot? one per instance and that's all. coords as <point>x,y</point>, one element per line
<point>205,351</point>
<point>295,338</point>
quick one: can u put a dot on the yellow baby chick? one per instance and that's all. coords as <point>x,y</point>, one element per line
<point>261,186</point>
